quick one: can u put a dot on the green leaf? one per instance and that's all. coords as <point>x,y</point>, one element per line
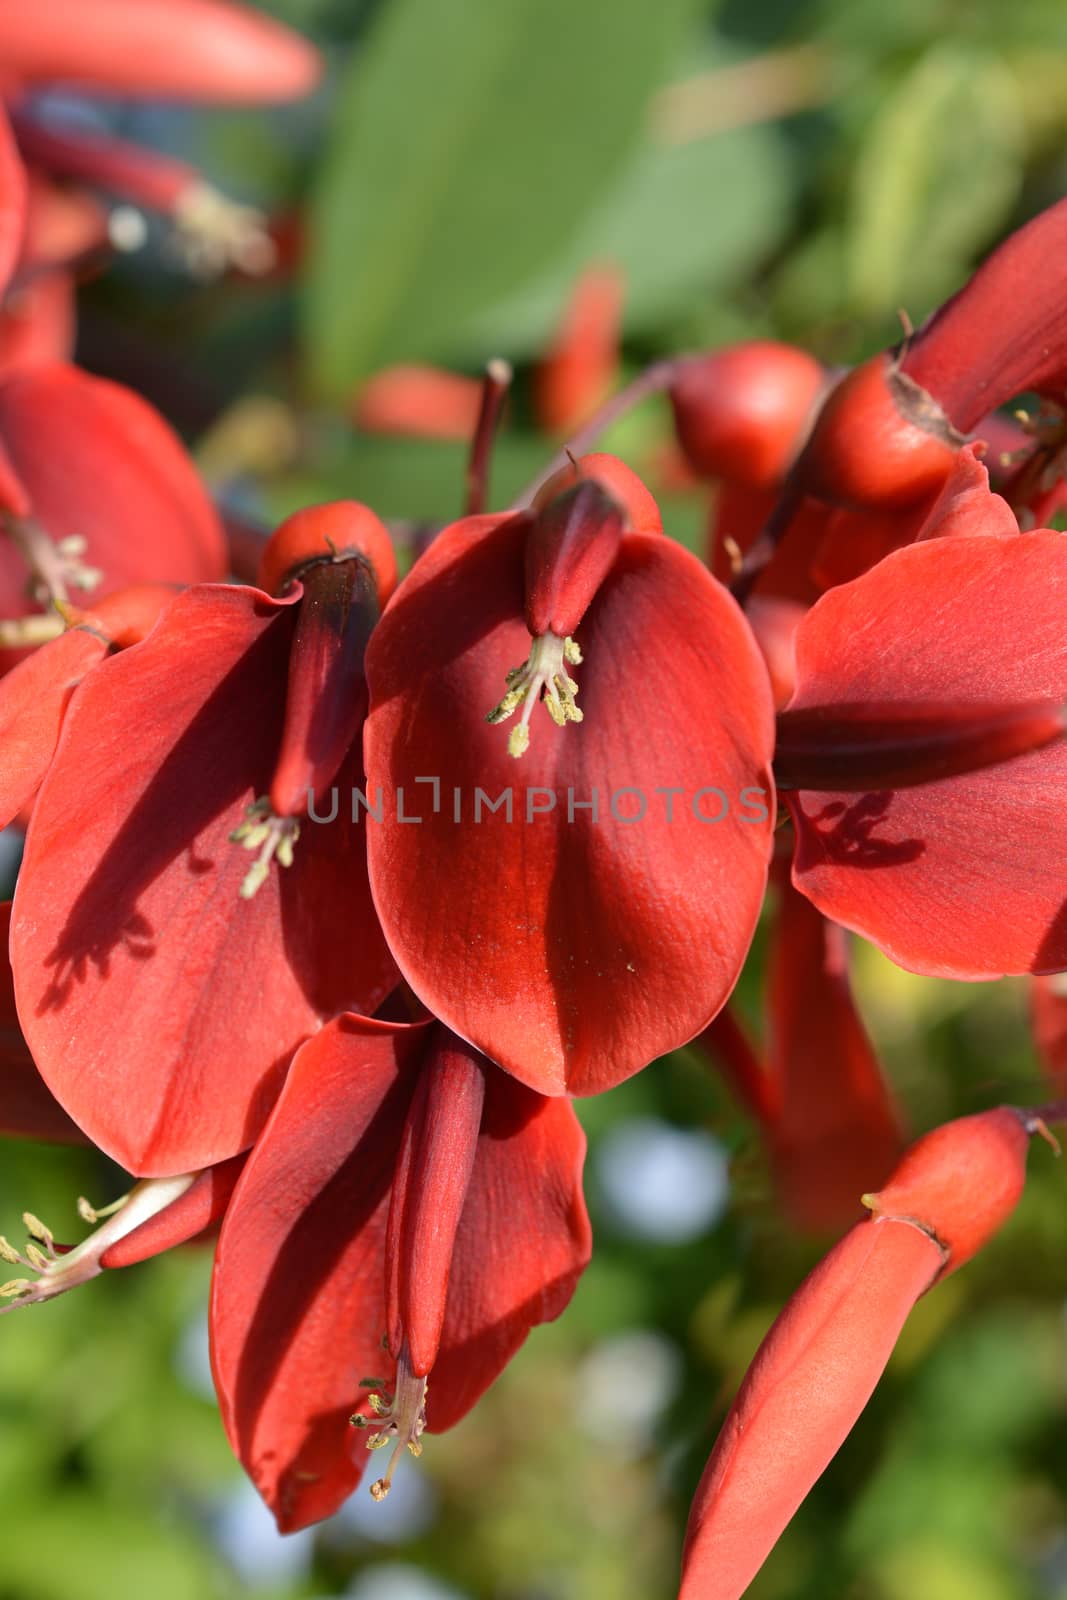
<point>681,222</point>
<point>471,140</point>
<point>936,179</point>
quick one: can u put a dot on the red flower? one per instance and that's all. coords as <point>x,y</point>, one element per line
<point>410,1212</point>
<point>93,474</point>
<point>162,1007</point>
<point>923,752</point>
<point>599,917</point>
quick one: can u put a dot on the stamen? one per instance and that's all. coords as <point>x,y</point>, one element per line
<point>542,677</point>
<point>403,1417</point>
<point>213,233</point>
<point>274,838</point>
<point>57,1268</point>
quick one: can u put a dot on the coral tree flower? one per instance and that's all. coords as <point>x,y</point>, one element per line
<point>92,475</point>
<point>821,1360</point>
<point>129,903</point>
<point>408,1214</point>
<point>599,915</point>
<point>923,753</point>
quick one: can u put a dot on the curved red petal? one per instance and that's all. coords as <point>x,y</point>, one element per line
<point>28,1109</point>
<point>1003,332</point>
<point>161,1006</point>
<point>190,49</point>
<point>1048,1004</point>
<point>201,1206</point>
<point>298,1294</point>
<point>523,1242</point>
<point>12,202</point>
<point>570,950</point>
<point>836,1125</point>
<point>98,463</point>
<point>964,877</point>
<point>966,505</point>
<point>33,702</point>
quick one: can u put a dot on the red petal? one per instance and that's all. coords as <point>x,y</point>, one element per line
<point>201,1206</point>
<point>298,1297</point>
<point>966,504</point>
<point>422,401</point>
<point>581,365</point>
<point>12,201</point>
<point>190,49</point>
<point>28,1109</point>
<point>571,952</point>
<point>523,1242</point>
<point>38,325</point>
<point>99,463</point>
<point>33,702</point>
<point>811,1378</point>
<point>836,1134</point>
<point>961,878</point>
<point>1048,999</point>
<point>163,1008</point>
<point>1003,332</point>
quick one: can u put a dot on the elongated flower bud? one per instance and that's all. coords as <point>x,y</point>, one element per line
<point>819,1364</point>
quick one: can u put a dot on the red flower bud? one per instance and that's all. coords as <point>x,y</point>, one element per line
<point>325,533</point>
<point>424,402</point>
<point>960,1182</point>
<point>580,366</point>
<point>741,413</point>
<point>819,1364</point>
<point>879,441</point>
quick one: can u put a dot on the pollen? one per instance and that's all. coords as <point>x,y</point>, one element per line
<point>543,677</point>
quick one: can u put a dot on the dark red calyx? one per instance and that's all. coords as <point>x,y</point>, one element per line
<point>871,747</point>
<point>570,549</point>
<point>327,695</point>
<point>327,533</point>
<point>742,413</point>
<point>879,440</point>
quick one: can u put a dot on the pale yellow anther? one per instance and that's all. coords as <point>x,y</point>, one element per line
<point>8,1253</point>
<point>37,1230</point>
<point>15,1287</point>
<point>541,678</point>
<point>274,838</point>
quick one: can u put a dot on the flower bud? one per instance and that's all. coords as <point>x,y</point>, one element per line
<point>742,413</point>
<point>960,1182</point>
<point>326,533</point>
<point>879,440</point>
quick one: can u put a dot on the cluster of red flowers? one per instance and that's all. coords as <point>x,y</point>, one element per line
<point>319,952</point>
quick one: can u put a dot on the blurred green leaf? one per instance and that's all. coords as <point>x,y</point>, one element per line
<point>938,173</point>
<point>682,221</point>
<point>470,141</point>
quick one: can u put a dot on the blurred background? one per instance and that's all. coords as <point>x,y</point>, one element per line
<point>788,169</point>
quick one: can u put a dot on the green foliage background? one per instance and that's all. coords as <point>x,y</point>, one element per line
<point>464,161</point>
